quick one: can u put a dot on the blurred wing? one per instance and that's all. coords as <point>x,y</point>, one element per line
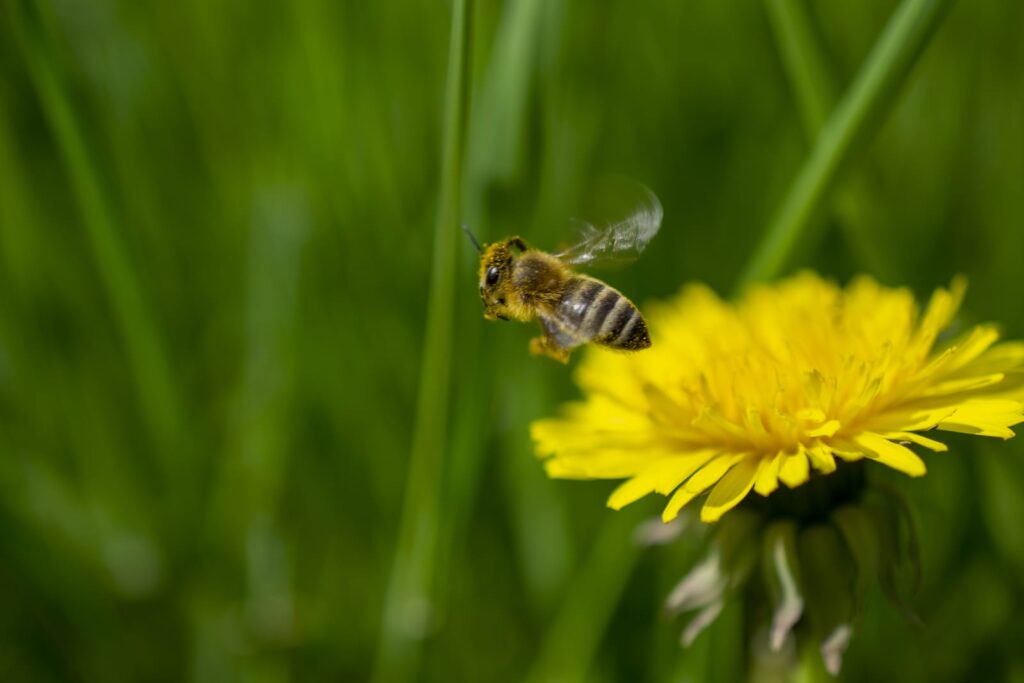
<point>619,242</point>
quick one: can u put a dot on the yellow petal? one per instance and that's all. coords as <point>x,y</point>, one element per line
<point>941,309</point>
<point>768,475</point>
<point>827,429</point>
<point>814,415</point>
<point>985,417</point>
<point>552,436</point>
<point>957,386</point>
<point>694,460</point>
<point>730,490</point>
<point>788,375</point>
<point>1001,358</point>
<point>664,475</point>
<point>978,340</point>
<point>698,483</point>
<point>909,419</point>
<point>712,472</point>
<point>794,470</point>
<point>639,486</point>
<point>920,440</point>
<point>662,406</point>
<point>892,454</point>
<point>680,498</point>
<point>960,353</point>
<point>847,450</point>
<point>599,465</point>
<point>712,422</point>
<point>821,458</point>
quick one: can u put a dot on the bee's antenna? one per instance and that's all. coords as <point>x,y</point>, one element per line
<point>472,239</point>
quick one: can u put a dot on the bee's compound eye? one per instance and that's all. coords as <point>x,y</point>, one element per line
<point>492,276</point>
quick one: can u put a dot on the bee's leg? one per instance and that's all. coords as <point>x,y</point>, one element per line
<point>518,243</point>
<point>548,344</point>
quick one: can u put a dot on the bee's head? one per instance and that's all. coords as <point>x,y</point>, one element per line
<point>496,275</point>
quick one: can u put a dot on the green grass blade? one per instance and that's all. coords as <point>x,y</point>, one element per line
<point>872,93</point>
<point>408,602</point>
<point>593,593</point>
<point>816,90</point>
<point>495,159</point>
<point>538,517</point>
<point>498,129</point>
<point>121,283</point>
<point>803,61</point>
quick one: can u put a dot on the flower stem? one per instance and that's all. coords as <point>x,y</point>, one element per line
<point>408,601</point>
<point>872,93</point>
<point>810,668</point>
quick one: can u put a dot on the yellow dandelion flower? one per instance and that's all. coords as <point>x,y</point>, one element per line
<point>792,378</point>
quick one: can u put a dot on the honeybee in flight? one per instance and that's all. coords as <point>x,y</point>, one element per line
<point>519,282</point>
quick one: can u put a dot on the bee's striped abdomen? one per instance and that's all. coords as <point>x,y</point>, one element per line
<point>592,311</point>
<point>576,300</point>
<point>624,328</point>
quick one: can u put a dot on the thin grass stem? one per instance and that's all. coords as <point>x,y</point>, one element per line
<point>873,93</point>
<point>816,90</point>
<point>408,603</point>
<point>804,62</point>
<point>121,284</point>
<point>572,641</point>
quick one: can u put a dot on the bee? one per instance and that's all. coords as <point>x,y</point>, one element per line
<point>519,282</point>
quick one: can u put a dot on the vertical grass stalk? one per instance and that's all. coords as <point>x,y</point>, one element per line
<point>872,93</point>
<point>591,597</point>
<point>122,286</point>
<point>408,602</point>
<point>815,88</point>
<point>803,61</point>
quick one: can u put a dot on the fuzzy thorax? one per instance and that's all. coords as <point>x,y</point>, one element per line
<point>517,286</point>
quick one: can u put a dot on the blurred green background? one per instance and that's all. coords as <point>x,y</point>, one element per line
<point>216,245</point>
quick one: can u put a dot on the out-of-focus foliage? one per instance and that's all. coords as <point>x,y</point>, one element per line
<point>215,239</point>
